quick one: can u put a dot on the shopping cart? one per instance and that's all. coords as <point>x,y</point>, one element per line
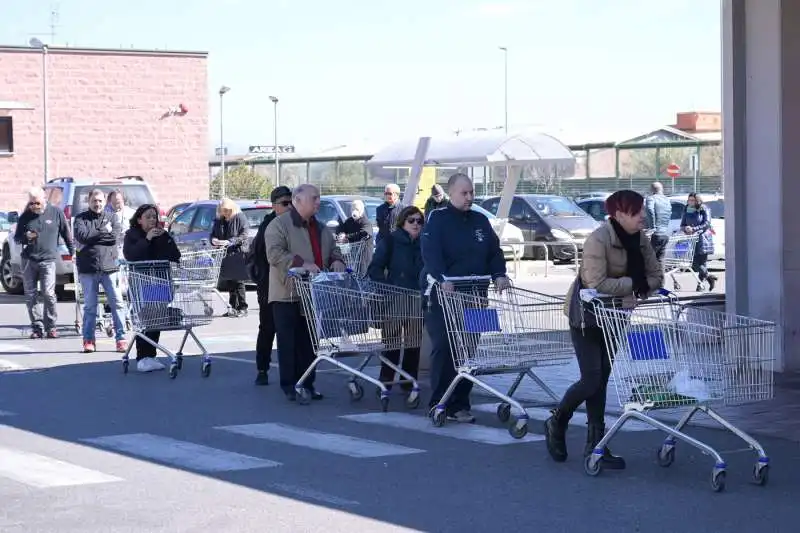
<point>666,356</point>
<point>356,255</point>
<point>679,256</point>
<point>348,316</point>
<point>159,302</point>
<point>104,320</point>
<point>497,333</point>
<point>197,272</point>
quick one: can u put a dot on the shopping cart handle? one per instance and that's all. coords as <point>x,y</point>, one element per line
<point>466,278</point>
<point>587,295</point>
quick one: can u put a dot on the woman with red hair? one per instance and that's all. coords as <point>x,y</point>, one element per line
<point>618,261</point>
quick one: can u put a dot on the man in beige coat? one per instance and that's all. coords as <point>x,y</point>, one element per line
<point>296,239</point>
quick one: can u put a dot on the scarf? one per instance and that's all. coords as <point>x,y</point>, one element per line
<point>635,267</point>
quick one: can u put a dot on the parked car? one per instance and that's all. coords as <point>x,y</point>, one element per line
<point>335,209</point>
<point>508,234</point>
<point>174,211</point>
<point>555,220</point>
<point>70,195</point>
<point>596,208</point>
<point>5,225</point>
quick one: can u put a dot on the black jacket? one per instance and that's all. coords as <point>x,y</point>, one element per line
<point>386,216</point>
<point>50,225</point>
<point>431,205</point>
<point>96,236</point>
<point>257,265</point>
<point>397,261</point>
<point>355,229</point>
<point>136,247</point>
<point>233,230</point>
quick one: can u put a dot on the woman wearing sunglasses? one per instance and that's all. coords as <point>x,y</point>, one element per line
<point>398,261</point>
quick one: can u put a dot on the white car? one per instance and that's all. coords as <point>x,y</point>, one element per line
<point>716,204</point>
<point>508,234</point>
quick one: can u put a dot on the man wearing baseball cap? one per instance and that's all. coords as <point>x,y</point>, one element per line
<point>258,267</point>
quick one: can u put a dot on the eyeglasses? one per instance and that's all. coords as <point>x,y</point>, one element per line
<point>415,220</point>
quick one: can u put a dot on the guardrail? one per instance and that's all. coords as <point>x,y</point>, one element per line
<point>511,245</point>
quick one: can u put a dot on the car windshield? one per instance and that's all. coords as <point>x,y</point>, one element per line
<point>255,215</point>
<point>134,195</point>
<point>555,206</point>
<point>717,208</point>
<point>4,225</point>
<point>371,207</point>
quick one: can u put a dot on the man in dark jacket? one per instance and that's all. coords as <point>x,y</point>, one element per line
<point>97,233</point>
<point>437,199</point>
<point>386,213</point>
<point>281,198</point>
<point>456,241</point>
<point>38,230</point>
<point>658,212</point>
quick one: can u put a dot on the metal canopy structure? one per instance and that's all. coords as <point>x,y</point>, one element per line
<point>537,151</point>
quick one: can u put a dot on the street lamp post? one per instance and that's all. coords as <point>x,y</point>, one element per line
<point>274,100</point>
<point>36,43</point>
<point>505,86</point>
<point>222,91</point>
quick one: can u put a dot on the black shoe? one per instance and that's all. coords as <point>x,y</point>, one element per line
<point>593,436</point>
<point>712,282</point>
<point>262,379</point>
<point>555,431</point>
<point>232,313</point>
<point>315,395</point>
<point>291,396</point>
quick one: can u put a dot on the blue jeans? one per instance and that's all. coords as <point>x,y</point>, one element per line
<point>90,285</point>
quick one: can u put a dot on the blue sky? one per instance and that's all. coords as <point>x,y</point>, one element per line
<point>349,71</point>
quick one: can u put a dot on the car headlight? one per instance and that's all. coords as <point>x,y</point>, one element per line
<point>561,235</point>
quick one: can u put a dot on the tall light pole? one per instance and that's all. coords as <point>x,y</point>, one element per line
<point>505,86</point>
<point>274,100</point>
<point>222,91</point>
<point>36,43</point>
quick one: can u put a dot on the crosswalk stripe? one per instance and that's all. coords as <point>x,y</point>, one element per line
<point>44,472</point>
<point>470,432</point>
<point>317,440</point>
<point>578,419</point>
<point>181,453</point>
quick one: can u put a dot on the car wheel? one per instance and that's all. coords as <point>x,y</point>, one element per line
<point>11,284</point>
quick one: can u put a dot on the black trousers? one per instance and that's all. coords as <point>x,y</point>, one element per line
<point>658,241</point>
<point>144,348</point>
<point>700,263</point>
<point>595,368</point>
<point>237,294</point>
<point>393,331</point>
<point>266,331</point>
<point>295,350</point>
<point>443,370</point>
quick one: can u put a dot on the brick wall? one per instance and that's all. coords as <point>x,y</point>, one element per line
<point>106,118</point>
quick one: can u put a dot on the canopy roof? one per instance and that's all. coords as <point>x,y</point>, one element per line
<point>484,149</point>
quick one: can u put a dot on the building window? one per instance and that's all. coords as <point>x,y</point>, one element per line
<point>6,136</point>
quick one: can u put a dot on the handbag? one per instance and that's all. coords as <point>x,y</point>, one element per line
<point>581,314</point>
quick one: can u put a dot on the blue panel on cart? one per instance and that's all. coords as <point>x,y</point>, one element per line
<point>647,345</point>
<point>156,292</point>
<point>481,320</point>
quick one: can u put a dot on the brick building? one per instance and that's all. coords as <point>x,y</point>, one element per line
<point>107,115</point>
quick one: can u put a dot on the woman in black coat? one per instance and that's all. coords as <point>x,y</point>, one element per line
<point>146,240</point>
<point>398,261</point>
<point>230,230</point>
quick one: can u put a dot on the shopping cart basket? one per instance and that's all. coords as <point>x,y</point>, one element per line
<point>497,333</point>
<point>158,302</point>
<point>667,356</point>
<point>356,255</point>
<point>679,256</point>
<point>348,316</point>
<point>198,272</point>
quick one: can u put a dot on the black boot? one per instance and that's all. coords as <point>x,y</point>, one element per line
<point>595,435</point>
<point>555,430</point>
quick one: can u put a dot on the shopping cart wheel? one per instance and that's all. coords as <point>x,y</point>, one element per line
<point>206,370</point>
<point>592,464</point>
<point>173,371</point>
<point>109,331</point>
<point>718,480</point>
<point>412,402</point>
<point>125,364</point>
<point>439,417</point>
<point>761,473</point>
<point>179,360</point>
<point>208,310</point>
<point>504,412</point>
<point>666,455</point>
<point>356,391</point>
<point>519,428</point>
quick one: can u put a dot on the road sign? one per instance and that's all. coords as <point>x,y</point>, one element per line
<point>218,151</point>
<point>270,149</point>
<point>673,170</point>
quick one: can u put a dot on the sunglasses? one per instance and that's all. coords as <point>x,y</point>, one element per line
<point>415,220</point>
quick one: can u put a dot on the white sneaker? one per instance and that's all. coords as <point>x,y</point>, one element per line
<point>149,364</point>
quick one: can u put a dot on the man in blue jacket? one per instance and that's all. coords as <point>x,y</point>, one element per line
<point>456,242</point>
<point>658,212</point>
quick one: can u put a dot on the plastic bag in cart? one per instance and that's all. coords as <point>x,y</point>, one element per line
<point>685,385</point>
<point>338,308</point>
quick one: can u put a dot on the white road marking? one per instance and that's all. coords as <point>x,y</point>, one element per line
<point>9,348</point>
<point>317,440</point>
<point>7,365</point>
<point>181,453</point>
<point>311,494</point>
<point>470,432</point>
<point>578,419</point>
<point>43,472</point>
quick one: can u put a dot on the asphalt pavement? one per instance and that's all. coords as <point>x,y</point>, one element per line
<point>85,448</point>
